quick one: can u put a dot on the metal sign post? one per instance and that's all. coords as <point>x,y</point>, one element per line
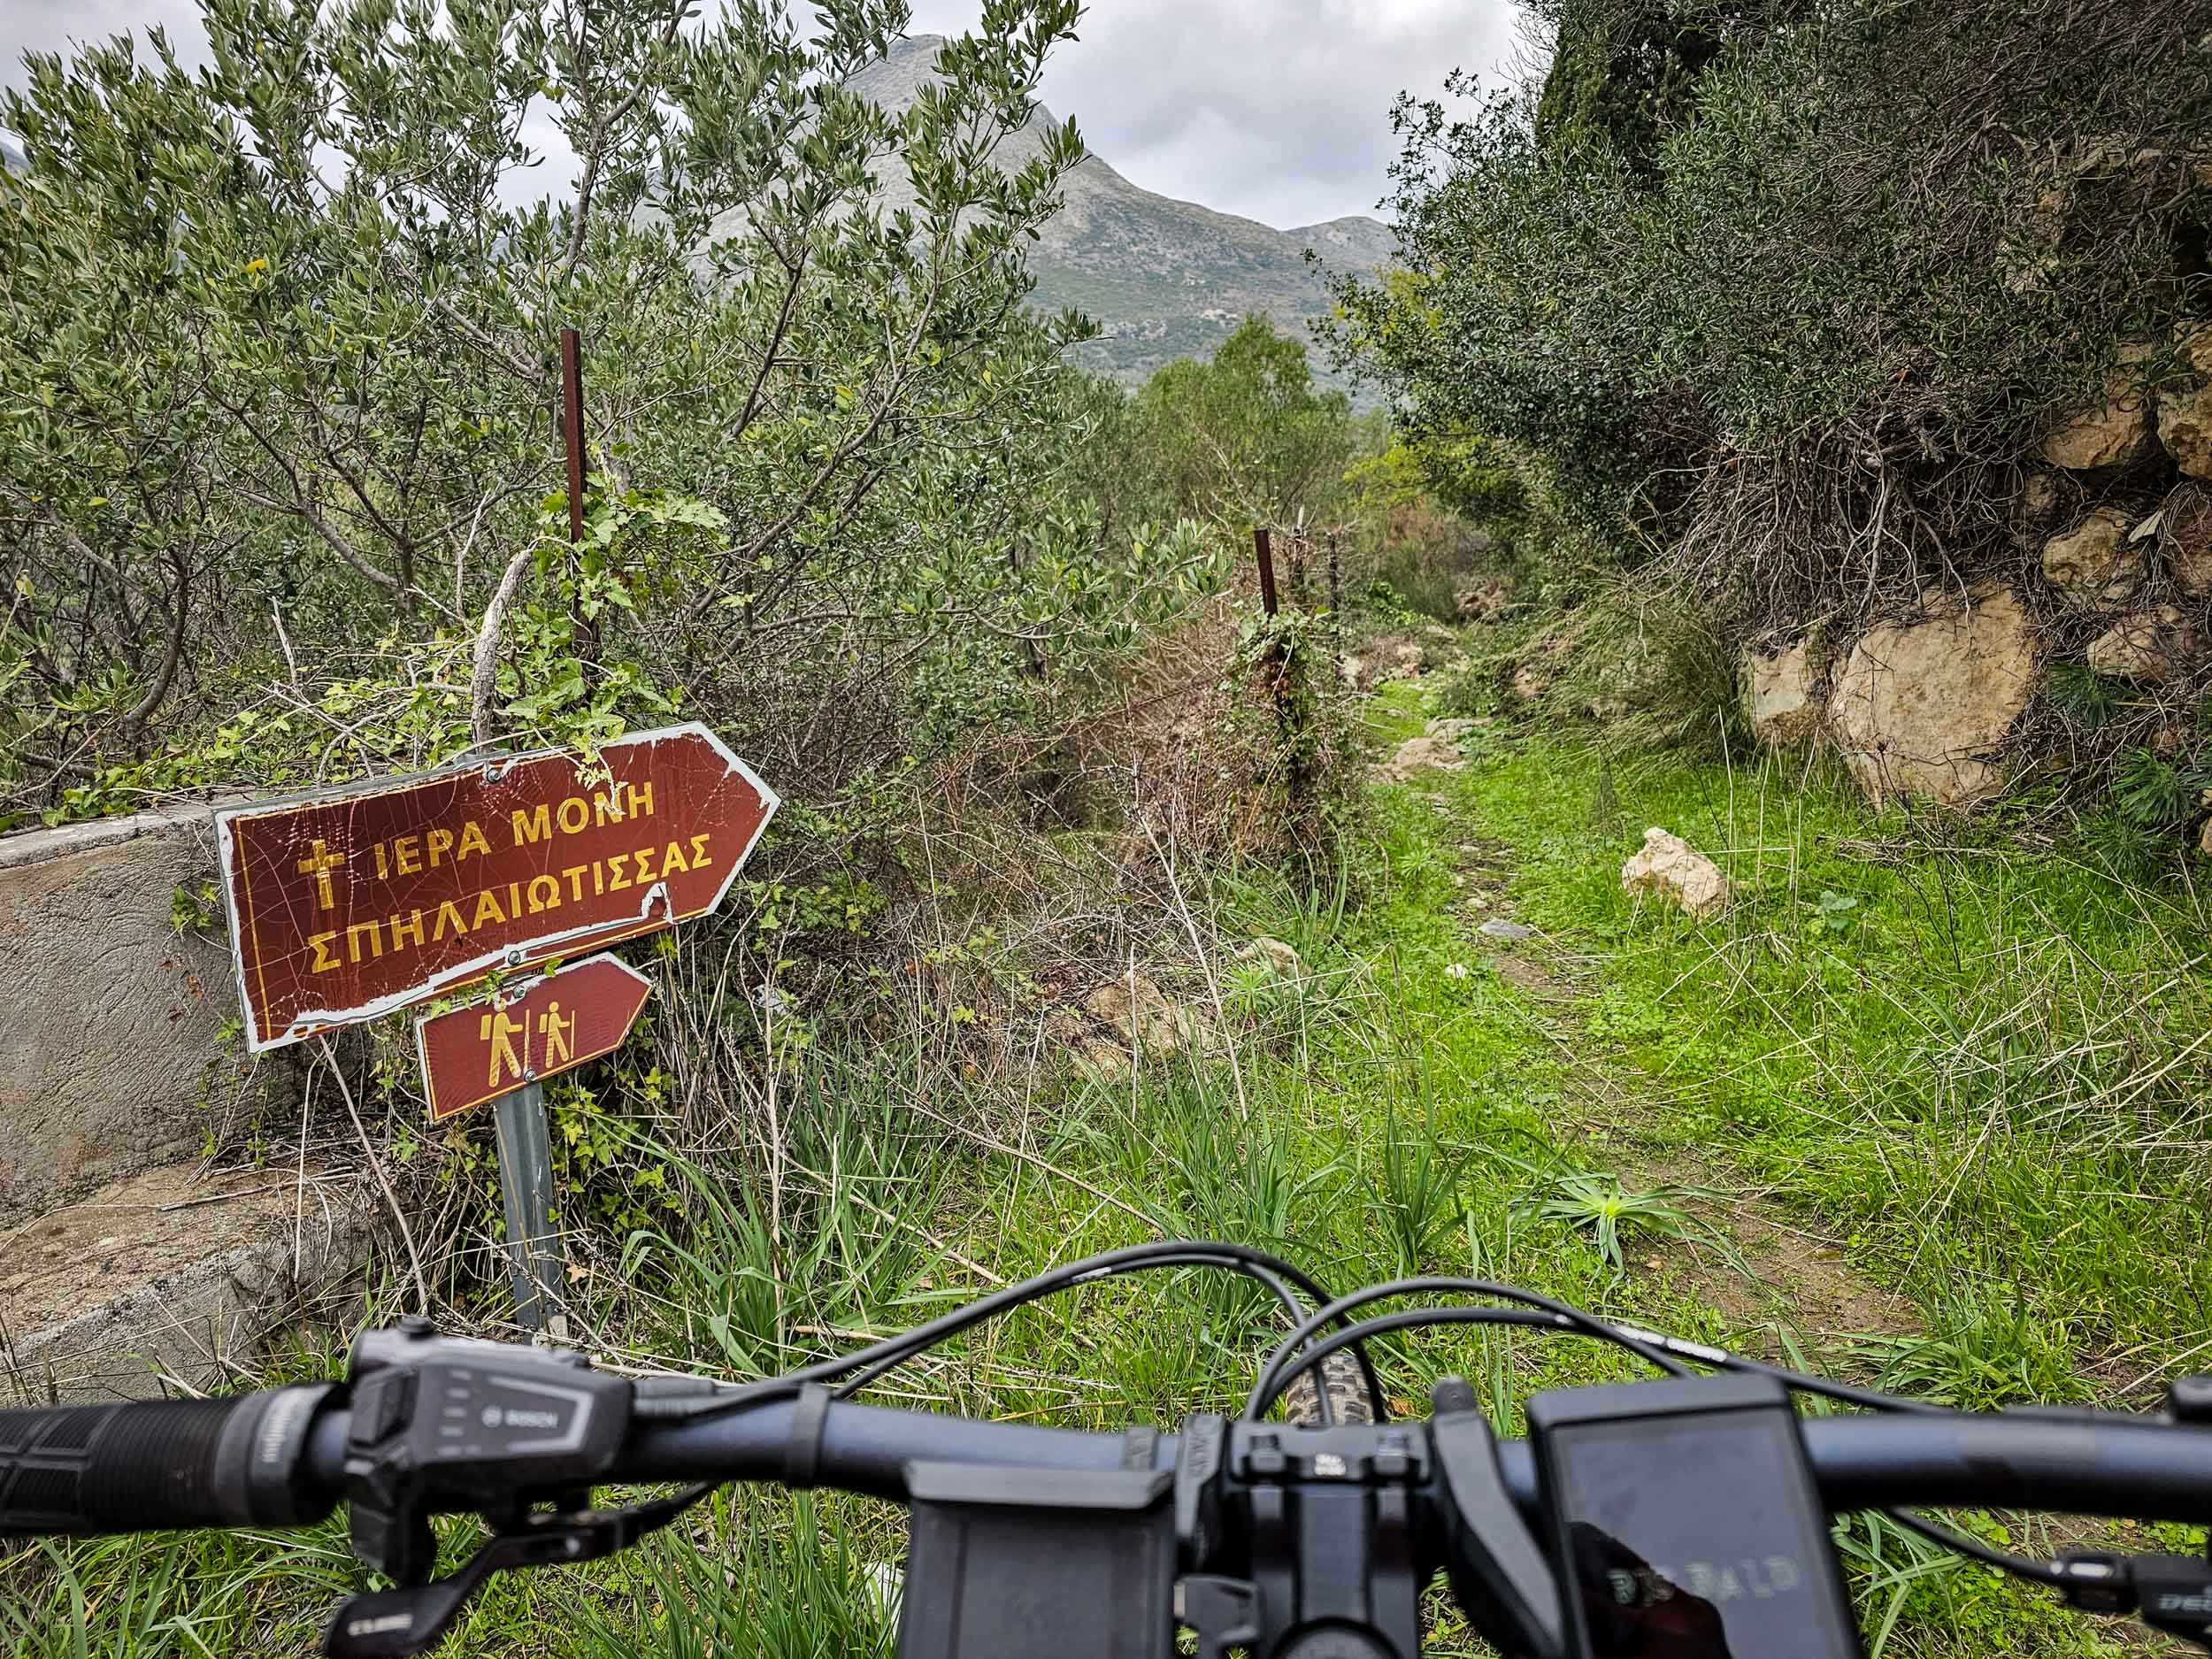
<point>503,1051</point>
<point>535,1261</point>
<point>348,904</point>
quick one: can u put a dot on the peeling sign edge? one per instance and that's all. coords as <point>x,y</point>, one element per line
<point>521,954</point>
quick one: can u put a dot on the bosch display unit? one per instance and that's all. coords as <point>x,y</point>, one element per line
<point>1685,1524</point>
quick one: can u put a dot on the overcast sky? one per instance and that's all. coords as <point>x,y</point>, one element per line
<point>1276,109</point>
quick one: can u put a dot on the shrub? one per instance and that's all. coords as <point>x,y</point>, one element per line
<point>279,350</point>
<point>1777,292</point>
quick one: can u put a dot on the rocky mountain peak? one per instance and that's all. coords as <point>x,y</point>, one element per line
<point>1165,278</point>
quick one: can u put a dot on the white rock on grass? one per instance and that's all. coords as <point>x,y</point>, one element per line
<point>1423,754</point>
<point>1451,728</point>
<point>1676,872</point>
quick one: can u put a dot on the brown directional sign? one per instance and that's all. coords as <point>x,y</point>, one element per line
<point>528,1032</point>
<point>348,904</point>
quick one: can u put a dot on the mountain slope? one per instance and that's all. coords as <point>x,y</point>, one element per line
<point>1164,279</point>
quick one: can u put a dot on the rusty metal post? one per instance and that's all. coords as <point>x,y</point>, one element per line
<point>583,633</point>
<point>573,427</point>
<point>1289,736</point>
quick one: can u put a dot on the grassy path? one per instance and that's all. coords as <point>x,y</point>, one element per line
<point>1922,1110</point>
<point>1926,1116</point>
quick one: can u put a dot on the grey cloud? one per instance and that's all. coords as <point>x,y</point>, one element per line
<point>55,26</point>
<point>1278,109</point>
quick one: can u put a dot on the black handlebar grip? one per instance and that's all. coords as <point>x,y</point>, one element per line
<point>154,1463</point>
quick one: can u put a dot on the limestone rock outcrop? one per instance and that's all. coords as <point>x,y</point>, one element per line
<point>2038,507</point>
<point>2094,565</point>
<point>1423,754</point>
<point>2185,408</point>
<point>2158,644</point>
<point>1921,706</point>
<point>2115,430</point>
<point>1782,689</point>
<point>2185,536</point>
<point>1278,956</point>
<point>1144,1018</point>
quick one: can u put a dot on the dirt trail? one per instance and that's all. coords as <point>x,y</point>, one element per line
<point>1765,1270</point>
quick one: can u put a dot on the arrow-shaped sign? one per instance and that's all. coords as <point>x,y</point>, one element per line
<point>348,904</point>
<point>528,1033</point>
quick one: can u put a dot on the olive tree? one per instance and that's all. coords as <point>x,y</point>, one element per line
<point>280,447</point>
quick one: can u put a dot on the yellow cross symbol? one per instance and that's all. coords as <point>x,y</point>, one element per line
<point>319,864</point>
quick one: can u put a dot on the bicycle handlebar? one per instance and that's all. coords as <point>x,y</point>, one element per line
<point>275,1458</point>
<point>154,1463</point>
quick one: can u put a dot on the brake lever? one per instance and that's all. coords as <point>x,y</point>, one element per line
<point>399,1623</point>
<point>1499,1575</point>
<point>2169,1592</point>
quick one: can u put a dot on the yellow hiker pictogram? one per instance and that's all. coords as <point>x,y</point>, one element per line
<point>498,1028</point>
<point>559,1035</point>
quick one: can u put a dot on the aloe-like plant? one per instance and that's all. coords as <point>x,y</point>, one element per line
<point>1596,1204</point>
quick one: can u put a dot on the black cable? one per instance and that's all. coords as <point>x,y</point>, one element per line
<point>1271,1382</point>
<point>1798,1381</point>
<point>1279,1375</point>
<point>1191,1258</point>
<point>1535,1320</point>
<point>880,1357</point>
<point>1167,1255</point>
<point>1384,1323</point>
<point>1973,1548</point>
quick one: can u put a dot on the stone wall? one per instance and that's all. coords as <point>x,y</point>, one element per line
<point>2113,526</point>
<point>112,1056</point>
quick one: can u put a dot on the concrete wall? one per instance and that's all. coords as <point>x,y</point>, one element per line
<point>177,1273</point>
<point>110,1054</point>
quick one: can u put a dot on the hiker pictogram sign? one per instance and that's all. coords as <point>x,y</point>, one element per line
<point>473,1054</point>
<point>351,904</point>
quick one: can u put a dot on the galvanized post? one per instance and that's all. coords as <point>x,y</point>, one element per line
<point>535,1258</point>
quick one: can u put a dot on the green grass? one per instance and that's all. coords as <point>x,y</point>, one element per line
<point>1946,1056</point>
<point>1983,1068</point>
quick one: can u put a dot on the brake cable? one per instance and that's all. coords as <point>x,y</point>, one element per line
<point>686,1398</point>
<point>1284,1367</point>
